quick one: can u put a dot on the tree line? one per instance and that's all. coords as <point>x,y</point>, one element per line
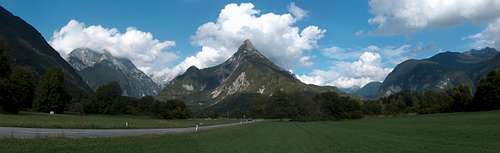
<point>108,100</point>
<point>300,106</point>
<point>458,99</point>
<point>305,106</point>
<point>19,91</point>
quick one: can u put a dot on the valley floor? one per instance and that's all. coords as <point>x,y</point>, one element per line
<point>440,133</point>
<point>44,120</point>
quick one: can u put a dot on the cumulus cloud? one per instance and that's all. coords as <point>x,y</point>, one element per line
<point>339,53</point>
<point>391,55</point>
<point>306,61</point>
<point>296,11</point>
<point>359,33</point>
<point>359,66</point>
<point>489,37</point>
<point>366,69</point>
<point>146,52</point>
<point>275,35</point>
<point>405,16</point>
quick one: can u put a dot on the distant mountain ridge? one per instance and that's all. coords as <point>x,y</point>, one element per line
<point>25,46</point>
<point>441,71</point>
<point>369,91</point>
<point>99,68</point>
<point>247,71</point>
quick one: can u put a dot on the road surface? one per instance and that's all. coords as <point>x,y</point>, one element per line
<point>30,133</point>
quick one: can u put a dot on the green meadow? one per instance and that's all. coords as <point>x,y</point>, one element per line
<point>44,120</point>
<point>437,133</point>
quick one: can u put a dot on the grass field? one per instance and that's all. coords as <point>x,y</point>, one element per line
<point>439,133</point>
<point>43,120</point>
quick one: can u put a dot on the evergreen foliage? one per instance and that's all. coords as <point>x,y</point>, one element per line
<point>50,94</point>
<point>487,96</point>
<point>16,86</point>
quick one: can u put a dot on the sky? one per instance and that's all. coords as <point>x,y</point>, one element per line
<point>340,43</point>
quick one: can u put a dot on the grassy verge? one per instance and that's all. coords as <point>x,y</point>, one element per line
<point>439,133</point>
<point>43,120</point>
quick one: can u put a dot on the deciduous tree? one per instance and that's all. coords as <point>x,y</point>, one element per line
<point>50,93</point>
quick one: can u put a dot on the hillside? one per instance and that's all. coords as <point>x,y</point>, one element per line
<point>25,46</point>
<point>444,70</point>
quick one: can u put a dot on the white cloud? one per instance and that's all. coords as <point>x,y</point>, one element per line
<point>275,35</point>
<point>391,55</point>
<point>489,37</point>
<point>359,33</point>
<point>357,67</point>
<point>306,61</point>
<point>339,53</point>
<point>366,69</point>
<point>296,11</point>
<point>146,52</point>
<point>405,16</point>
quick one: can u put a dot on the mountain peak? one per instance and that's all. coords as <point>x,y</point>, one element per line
<point>98,67</point>
<point>247,71</point>
<point>486,52</point>
<point>247,52</point>
<point>4,12</point>
<point>248,48</point>
<point>248,44</point>
<point>87,57</point>
<point>192,68</point>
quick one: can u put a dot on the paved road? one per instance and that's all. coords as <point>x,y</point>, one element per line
<point>30,133</point>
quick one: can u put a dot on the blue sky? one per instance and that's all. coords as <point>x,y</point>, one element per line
<point>348,40</point>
